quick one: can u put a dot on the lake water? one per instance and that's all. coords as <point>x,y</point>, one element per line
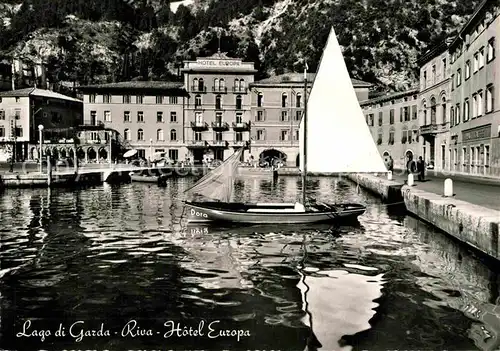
<point>116,268</point>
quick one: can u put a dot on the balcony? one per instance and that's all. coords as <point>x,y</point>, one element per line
<point>199,125</point>
<point>197,144</point>
<point>220,125</point>
<point>219,143</point>
<point>198,89</point>
<point>241,126</point>
<point>429,129</point>
<point>240,90</point>
<point>219,90</point>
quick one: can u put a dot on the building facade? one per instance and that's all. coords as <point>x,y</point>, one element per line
<point>277,108</point>
<point>218,109</point>
<point>149,116</point>
<point>23,110</point>
<point>434,104</point>
<point>475,81</point>
<point>393,122</point>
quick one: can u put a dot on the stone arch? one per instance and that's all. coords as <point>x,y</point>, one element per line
<point>433,100</point>
<point>103,153</point>
<point>80,154</point>
<point>91,154</point>
<point>34,154</point>
<point>55,153</point>
<point>442,96</point>
<point>423,103</point>
<point>268,156</point>
<point>63,153</point>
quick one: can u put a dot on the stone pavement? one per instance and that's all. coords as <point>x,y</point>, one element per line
<point>486,195</point>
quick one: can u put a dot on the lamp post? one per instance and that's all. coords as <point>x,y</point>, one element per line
<point>150,150</point>
<point>110,149</point>
<point>40,141</point>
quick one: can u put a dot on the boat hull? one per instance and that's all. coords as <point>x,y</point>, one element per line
<point>148,179</point>
<point>198,212</point>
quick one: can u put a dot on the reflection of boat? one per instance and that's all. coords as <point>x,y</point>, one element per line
<point>486,335</point>
<point>146,178</point>
<point>351,149</point>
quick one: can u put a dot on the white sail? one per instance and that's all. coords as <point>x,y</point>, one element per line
<point>338,138</point>
<point>218,184</point>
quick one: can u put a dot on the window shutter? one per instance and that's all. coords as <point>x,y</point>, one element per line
<point>401,114</point>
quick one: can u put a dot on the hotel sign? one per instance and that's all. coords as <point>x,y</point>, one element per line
<point>218,63</point>
<point>482,132</point>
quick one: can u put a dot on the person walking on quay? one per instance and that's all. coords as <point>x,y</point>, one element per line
<point>390,164</point>
<point>421,169</point>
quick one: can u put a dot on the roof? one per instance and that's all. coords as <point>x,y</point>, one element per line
<point>471,20</point>
<point>298,78</point>
<point>433,52</point>
<point>388,97</point>
<point>137,85</point>
<point>37,92</point>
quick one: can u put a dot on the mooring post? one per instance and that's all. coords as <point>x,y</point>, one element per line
<point>49,171</point>
<point>389,175</point>
<point>448,187</point>
<point>410,179</point>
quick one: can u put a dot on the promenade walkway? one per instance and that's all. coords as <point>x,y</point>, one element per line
<point>486,195</point>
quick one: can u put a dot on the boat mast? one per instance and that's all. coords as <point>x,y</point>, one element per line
<point>304,117</point>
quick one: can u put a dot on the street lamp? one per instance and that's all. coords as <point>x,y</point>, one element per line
<point>40,140</point>
<point>150,150</point>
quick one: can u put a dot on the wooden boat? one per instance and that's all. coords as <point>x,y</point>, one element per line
<point>145,178</point>
<point>333,138</point>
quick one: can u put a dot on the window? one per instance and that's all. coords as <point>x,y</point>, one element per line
<point>260,134</point>
<point>414,112</point>
<point>481,58</point>
<point>159,117</point>
<point>391,137</point>
<point>141,153</point>
<point>17,114</point>
<point>106,98</point>
<point>239,117</point>
<point>443,110</point>
<point>172,100</point>
<point>173,154</point>
<point>126,99</point>
<point>371,119</point>
<point>466,110</point>
<point>140,134</point>
<point>486,155</point>
<point>126,116</point>
<point>380,118</point>
<point>92,98</point>
<point>433,73</point>
<point>391,116</point>
<point>126,134</point>
<point>19,132</point>
<point>479,103</point>
<point>444,66</point>
<point>424,80</point>
<point>452,116</point>
<point>139,99</point>
<point>260,99</point>
<point>284,100</point>
<point>459,77</point>
<point>140,116</point>
<point>284,116</point>
<point>159,135</point>
<point>475,66</point>
<point>173,116</point>
<point>218,136</point>
<point>107,116</point>
<point>452,82</point>
<point>406,110</point>
<point>93,118</point>
<point>284,135</point>
<point>218,102</point>
<point>490,53</point>
<point>2,132</point>
<point>472,156</point>
<point>260,116</point>
<point>238,102</point>
<point>239,136</point>
<point>197,101</point>
<point>489,99</point>
<point>2,115</point>
<point>197,136</point>
<point>464,155</point>
<point>299,100</point>
<point>457,114</point>
<point>474,105</point>
<point>198,117</point>
<point>159,99</point>
<point>379,138</point>
<point>298,115</point>
<point>467,70</point>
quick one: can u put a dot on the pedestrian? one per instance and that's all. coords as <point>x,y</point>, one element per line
<point>390,164</point>
<point>421,169</point>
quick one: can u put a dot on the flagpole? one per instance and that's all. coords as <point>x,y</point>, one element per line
<point>304,117</point>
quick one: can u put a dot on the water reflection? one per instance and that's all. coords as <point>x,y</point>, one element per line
<point>116,253</point>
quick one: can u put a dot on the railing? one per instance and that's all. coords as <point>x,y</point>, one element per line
<point>221,90</point>
<point>240,125</point>
<point>198,89</point>
<point>240,90</point>
<point>275,142</point>
<point>199,125</point>
<point>220,125</point>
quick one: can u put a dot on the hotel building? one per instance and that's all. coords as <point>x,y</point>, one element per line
<point>393,122</point>
<point>23,110</point>
<point>218,107</point>
<point>475,81</point>
<point>277,107</point>
<point>434,104</point>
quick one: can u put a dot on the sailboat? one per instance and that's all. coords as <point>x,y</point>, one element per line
<point>334,139</point>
